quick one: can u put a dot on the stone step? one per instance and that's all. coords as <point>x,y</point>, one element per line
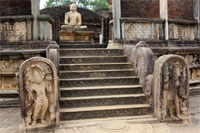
<point>90,52</point>
<point>94,66</point>
<point>9,93</point>
<point>146,119</point>
<point>76,42</point>
<point>72,46</point>
<point>9,102</point>
<point>96,73</point>
<point>80,82</point>
<point>9,98</point>
<point>100,90</point>
<point>105,111</point>
<point>87,101</point>
<point>91,59</point>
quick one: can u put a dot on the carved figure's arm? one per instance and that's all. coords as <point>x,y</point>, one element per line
<point>79,20</point>
<point>67,18</point>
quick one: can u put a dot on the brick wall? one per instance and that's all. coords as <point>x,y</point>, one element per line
<point>180,9</point>
<point>140,8</point>
<point>15,7</point>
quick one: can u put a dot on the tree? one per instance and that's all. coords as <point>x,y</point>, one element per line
<point>52,3</point>
<point>87,4</point>
<point>99,4</point>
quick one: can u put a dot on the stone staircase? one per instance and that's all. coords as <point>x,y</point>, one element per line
<point>96,82</point>
<point>9,98</point>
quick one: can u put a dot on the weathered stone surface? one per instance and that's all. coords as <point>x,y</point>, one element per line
<point>52,53</point>
<point>142,59</point>
<point>144,65</point>
<point>20,28</point>
<point>128,51</point>
<point>38,94</point>
<point>171,88</point>
<point>182,32</point>
<point>17,31</point>
<point>75,35</point>
<point>134,31</point>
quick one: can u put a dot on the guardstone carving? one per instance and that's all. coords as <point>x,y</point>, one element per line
<point>171,88</point>
<point>38,94</point>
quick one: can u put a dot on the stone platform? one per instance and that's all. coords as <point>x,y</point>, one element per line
<point>76,35</point>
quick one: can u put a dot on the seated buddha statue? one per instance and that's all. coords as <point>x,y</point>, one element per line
<point>73,19</point>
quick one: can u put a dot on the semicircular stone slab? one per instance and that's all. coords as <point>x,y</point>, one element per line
<point>171,88</point>
<point>39,97</point>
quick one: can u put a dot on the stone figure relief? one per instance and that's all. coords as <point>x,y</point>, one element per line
<point>173,97</point>
<point>39,97</point>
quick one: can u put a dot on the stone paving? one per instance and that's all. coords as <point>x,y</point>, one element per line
<point>10,118</point>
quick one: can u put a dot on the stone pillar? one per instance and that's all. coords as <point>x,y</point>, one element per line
<point>35,5</point>
<point>164,15</point>
<point>116,19</point>
<point>197,15</point>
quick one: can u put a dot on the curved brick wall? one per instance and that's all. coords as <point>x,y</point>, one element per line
<point>140,8</point>
<point>180,9</point>
<point>15,7</point>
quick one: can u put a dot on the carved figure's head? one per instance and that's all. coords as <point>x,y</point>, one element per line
<point>73,8</point>
<point>35,74</point>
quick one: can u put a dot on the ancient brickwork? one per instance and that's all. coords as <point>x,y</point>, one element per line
<point>133,31</point>
<point>15,7</point>
<point>181,32</point>
<point>180,9</point>
<point>140,8</point>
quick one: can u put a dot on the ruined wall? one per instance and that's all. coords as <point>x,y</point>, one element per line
<point>140,8</point>
<point>20,28</point>
<point>180,9</point>
<point>15,7</point>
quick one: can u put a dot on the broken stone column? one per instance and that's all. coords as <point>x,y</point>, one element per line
<point>164,15</point>
<point>196,13</point>
<point>39,97</point>
<point>35,6</point>
<point>171,88</point>
<point>116,9</point>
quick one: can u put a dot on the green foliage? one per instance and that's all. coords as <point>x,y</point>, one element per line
<point>52,3</point>
<point>99,4</point>
<point>88,4</point>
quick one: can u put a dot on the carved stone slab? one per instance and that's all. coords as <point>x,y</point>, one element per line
<point>39,97</point>
<point>171,88</point>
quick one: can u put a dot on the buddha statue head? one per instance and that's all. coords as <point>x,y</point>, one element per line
<point>73,8</point>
